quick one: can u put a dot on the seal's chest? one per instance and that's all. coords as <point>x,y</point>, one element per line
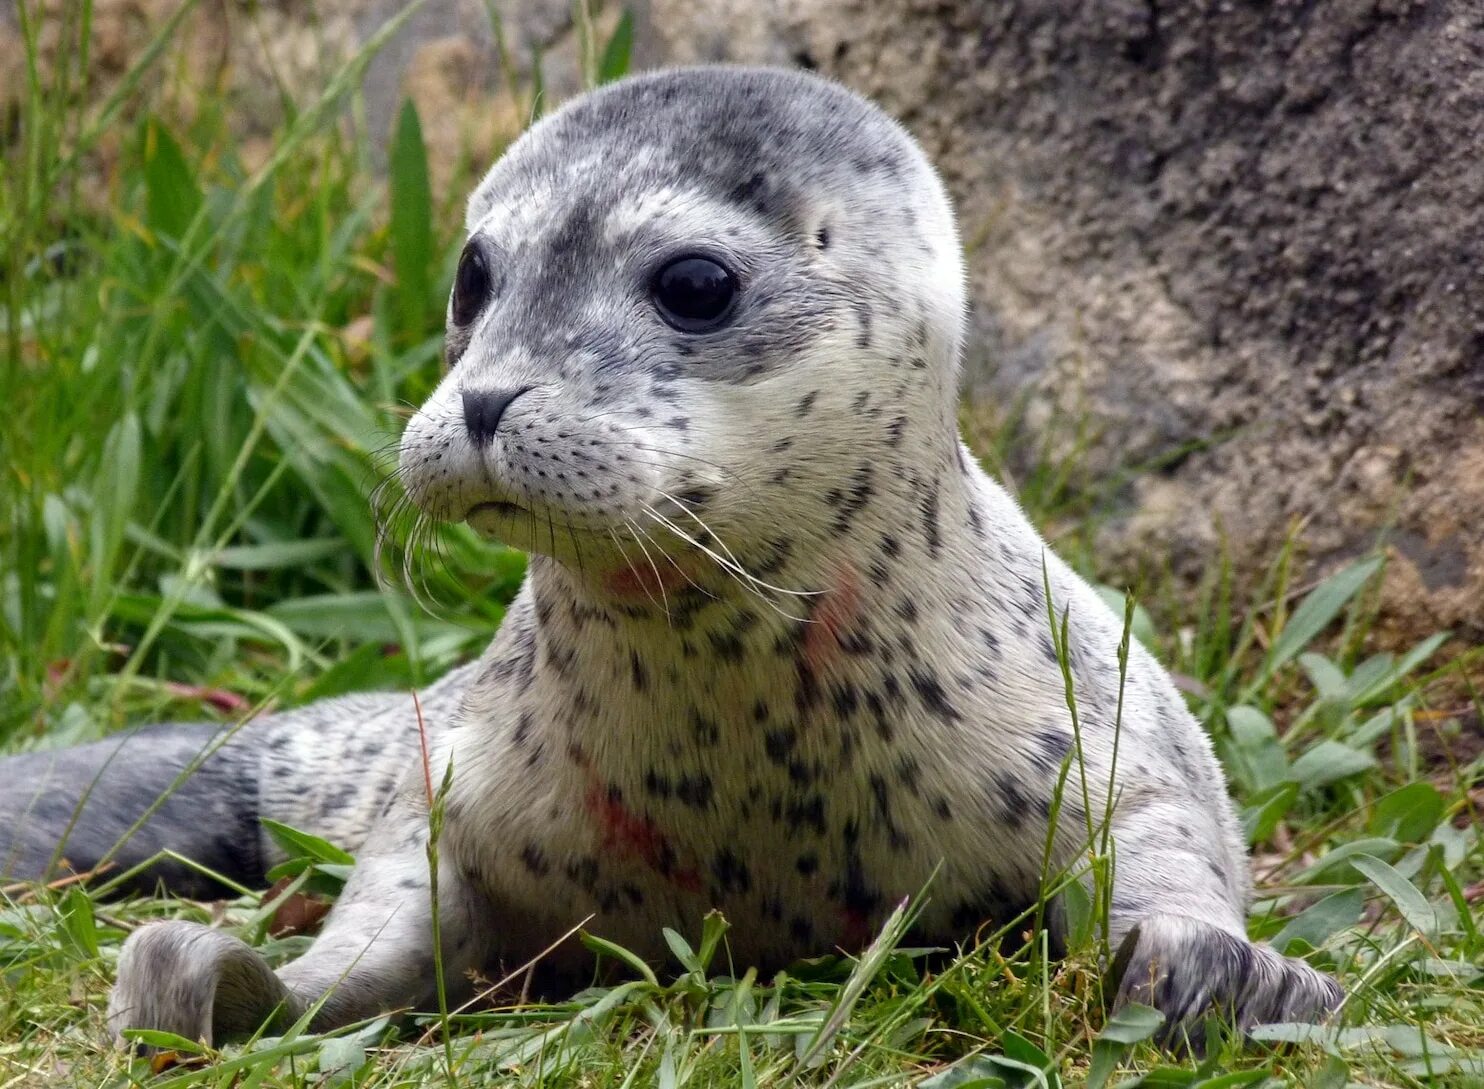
<point>797,869</point>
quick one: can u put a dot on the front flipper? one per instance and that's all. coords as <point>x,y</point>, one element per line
<point>1180,890</point>
<point>1189,969</point>
<point>374,955</point>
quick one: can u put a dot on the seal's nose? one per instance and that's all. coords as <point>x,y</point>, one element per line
<point>483,409</point>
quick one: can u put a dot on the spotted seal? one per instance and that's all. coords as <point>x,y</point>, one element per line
<point>783,649</point>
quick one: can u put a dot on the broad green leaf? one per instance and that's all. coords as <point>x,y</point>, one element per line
<point>1076,904</point>
<point>1132,1024</point>
<point>278,554</point>
<point>1376,671</point>
<point>1457,971</point>
<point>1335,1074</point>
<point>1434,1066</point>
<point>1318,922</point>
<point>1162,1077</point>
<point>411,223</point>
<point>340,1059</point>
<point>1328,679</point>
<point>1257,754</point>
<point>1412,905</point>
<point>1408,815</point>
<point>1232,1081</point>
<point>978,1072</point>
<point>1314,614</point>
<point>1265,809</point>
<point>364,616</point>
<point>1330,1036</point>
<point>682,951</point>
<point>1022,1055</point>
<point>614,63</point>
<point>1335,866</point>
<point>77,921</point>
<point>604,947</point>
<point>1408,662</point>
<point>1329,762</point>
<point>172,195</point>
<point>1126,1027</point>
<point>364,669</point>
<point>1380,724</point>
<point>298,844</point>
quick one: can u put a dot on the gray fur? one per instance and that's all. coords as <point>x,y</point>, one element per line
<point>783,648</point>
<point>109,785</point>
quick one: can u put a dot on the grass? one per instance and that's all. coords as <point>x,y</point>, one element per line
<point>205,363</point>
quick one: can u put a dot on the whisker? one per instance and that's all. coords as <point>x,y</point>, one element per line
<point>634,527</point>
<point>715,536</point>
<point>729,562</point>
<point>658,581</point>
<point>743,578</point>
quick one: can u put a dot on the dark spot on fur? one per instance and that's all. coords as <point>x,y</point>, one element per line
<point>705,729</point>
<point>930,690</point>
<point>534,859</point>
<point>779,744</point>
<point>855,499</point>
<point>694,790</point>
<point>730,872</point>
<point>1052,747</point>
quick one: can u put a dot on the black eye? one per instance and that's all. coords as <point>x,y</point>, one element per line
<point>694,294</point>
<point>471,284</point>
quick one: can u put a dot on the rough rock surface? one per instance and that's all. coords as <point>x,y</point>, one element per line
<point>1245,239</point>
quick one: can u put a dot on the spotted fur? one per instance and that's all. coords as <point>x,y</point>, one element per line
<point>783,650</point>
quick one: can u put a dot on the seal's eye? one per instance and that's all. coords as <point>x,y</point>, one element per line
<point>694,294</point>
<point>471,284</point>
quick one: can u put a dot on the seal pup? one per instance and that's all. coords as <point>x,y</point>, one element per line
<point>783,648</point>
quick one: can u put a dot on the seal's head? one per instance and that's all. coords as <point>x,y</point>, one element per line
<point>699,307</point>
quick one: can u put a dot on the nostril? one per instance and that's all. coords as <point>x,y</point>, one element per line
<point>483,409</point>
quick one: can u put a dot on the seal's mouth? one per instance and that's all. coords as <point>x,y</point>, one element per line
<point>498,508</point>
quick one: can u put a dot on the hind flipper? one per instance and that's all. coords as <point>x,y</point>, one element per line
<point>200,790</point>
<point>77,806</point>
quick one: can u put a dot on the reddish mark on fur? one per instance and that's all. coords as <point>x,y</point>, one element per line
<point>639,579</point>
<point>833,614</point>
<point>638,837</point>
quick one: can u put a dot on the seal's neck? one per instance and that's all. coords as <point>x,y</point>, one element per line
<point>726,663</point>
